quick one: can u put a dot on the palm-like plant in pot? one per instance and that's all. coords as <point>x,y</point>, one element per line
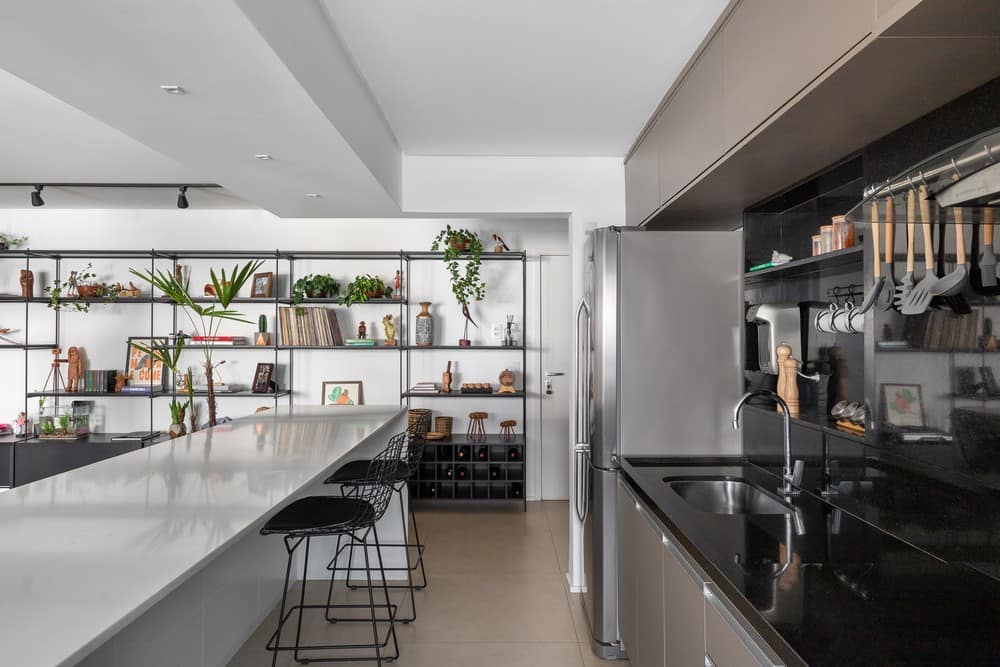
<point>205,319</point>
<point>462,255</point>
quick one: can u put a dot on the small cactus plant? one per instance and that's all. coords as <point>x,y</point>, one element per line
<point>262,338</point>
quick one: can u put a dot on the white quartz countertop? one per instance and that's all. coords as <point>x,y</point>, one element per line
<point>85,552</point>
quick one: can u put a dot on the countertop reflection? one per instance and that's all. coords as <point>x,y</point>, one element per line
<point>86,551</point>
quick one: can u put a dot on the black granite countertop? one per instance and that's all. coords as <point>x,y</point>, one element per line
<point>853,594</point>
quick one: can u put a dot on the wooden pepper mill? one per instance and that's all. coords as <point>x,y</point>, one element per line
<point>790,371</point>
<point>782,354</point>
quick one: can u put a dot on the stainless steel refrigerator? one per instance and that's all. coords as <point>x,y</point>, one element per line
<point>658,369</point>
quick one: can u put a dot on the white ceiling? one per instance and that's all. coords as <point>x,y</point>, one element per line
<point>520,77</point>
<point>335,90</point>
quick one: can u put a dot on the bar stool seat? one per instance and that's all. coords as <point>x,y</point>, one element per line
<point>352,471</point>
<point>320,515</point>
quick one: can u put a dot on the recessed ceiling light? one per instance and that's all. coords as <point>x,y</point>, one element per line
<point>173,90</point>
<point>263,156</point>
<point>313,195</point>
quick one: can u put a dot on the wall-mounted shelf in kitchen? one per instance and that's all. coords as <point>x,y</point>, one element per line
<point>457,394</point>
<point>848,257</point>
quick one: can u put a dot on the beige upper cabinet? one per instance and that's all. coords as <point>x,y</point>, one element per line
<point>772,49</point>
<point>691,135</point>
<point>642,184</point>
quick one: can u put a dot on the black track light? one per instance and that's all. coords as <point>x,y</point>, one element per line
<point>36,196</point>
<point>182,200</point>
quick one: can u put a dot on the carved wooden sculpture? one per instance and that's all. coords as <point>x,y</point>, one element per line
<point>27,281</point>
<point>74,369</point>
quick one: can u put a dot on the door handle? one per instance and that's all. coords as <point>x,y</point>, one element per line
<point>548,380</point>
<point>554,374</point>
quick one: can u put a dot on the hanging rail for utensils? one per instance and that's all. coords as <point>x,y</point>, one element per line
<point>846,292</point>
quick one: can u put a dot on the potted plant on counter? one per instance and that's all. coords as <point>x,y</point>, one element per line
<point>363,288</point>
<point>205,319</point>
<point>8,242</point>
<point>463,256</point>
<point>318,286</point>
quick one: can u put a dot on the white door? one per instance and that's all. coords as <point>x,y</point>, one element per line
<point>556,342</point>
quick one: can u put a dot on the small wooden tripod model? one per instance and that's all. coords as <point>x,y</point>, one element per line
<point>55,375</point>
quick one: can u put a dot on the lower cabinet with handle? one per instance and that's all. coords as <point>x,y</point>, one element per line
<point>670,614</point>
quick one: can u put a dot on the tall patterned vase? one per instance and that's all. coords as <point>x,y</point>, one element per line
<point>425,326</point>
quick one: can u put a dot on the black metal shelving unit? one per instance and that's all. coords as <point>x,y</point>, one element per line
<point>509,483</point>
<point>282,263</point>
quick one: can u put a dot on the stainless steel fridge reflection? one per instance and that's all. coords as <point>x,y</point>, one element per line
<point>658,368</point>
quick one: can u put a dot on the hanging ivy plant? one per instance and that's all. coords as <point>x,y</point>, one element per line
<point>462,255</point>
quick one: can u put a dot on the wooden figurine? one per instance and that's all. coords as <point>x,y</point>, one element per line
<point>132,292</point>
<point>446,380</point>
<point>477,427</point>
<point>507,429</point>
<point>782,352</point>
<point>74,369</point>
<point>398,284</point>
<point>120,380</point>
<point>390,329</point>
<point>55,373</point>
<point>27,281</point>
<point>209,289</point>
<point>499,246</point>
<point>506,382</point>
<point>362,330</point>
<point>790,370</point>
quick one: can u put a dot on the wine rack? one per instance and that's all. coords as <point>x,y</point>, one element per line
<point>463,469</point>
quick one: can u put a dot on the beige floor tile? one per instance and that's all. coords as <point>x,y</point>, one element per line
<point>557,514</point>
<point>591,660</point>
<point>579,616</point>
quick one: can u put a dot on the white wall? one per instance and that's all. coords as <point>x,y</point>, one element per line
<point>102,332</point>
<point>590,191</point>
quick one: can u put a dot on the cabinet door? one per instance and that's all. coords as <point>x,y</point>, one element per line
<point>642,178</point>
<point>684,610</point>
<point>772,49</point>
<point>729,641</point>
<point>691,137</point>
<point>649,595</point>
<point>628,520</point>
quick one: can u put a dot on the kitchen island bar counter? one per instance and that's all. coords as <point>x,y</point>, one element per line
<point>89,551</point>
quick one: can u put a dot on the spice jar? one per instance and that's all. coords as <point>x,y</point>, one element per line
<point>843,233</point>
<point>826,237</point>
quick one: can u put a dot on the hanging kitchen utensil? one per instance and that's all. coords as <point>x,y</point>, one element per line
<point>988,264</point>
<point>978,272</point>
<point>889,284</point>
<point>952,284</point>
<point>877,288</point>
<point>906,285</point>
<point>919,298</point>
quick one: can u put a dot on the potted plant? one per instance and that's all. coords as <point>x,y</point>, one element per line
<point>177,412</point>
<point>8,242</point>
<point>463,256</point>
<point>81,284</point>
<point>170,356</point>
<point>205,319</point>
<point>363,288</point>
<point>263,338</point>
<point>318,286</point>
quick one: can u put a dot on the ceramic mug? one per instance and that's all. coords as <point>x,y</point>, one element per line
<point>841,321</point>
<point>824,319</point>
<point>856,321</point>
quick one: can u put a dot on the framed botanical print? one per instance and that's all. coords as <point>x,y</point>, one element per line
<point>903,405</point>
<point>141,368</point>
<point>343,392</point>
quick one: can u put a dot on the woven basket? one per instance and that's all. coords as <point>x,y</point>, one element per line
<point>443,425</point>
<point>419,421</point>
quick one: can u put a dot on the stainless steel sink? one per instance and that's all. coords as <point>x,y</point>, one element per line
<point>726,495</point>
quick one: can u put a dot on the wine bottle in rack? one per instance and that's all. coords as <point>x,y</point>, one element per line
<point>496,472</point>
<point>461,473</point>
<point>449,472</point>
<point>513,454</point>
<point>515,490</point>
<point>463,453</point>
<point>482,454</point>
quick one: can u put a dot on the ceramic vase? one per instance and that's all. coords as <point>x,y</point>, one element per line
<point>424,331</point>
<point>176,431</point>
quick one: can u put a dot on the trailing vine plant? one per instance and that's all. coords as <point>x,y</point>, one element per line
<point>462,247</point>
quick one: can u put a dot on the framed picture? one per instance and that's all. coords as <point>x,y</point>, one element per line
<point>141,369</point>
<point>343,392</point>
<point>903,405</point>
<point>262,379</point>
<point>262,285</point>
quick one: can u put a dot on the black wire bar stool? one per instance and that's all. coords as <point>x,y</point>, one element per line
<point>352,518</point>
<point>348,477</point>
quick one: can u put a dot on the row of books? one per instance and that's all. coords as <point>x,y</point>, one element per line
<point>943,330</point>
<point>99,381</point>
<point>312,326</point>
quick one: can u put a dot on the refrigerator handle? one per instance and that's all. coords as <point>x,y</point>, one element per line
<point>582,440</point>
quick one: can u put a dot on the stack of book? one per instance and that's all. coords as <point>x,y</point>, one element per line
<point>943,330</point>
<point>141,389</point>
<point>360,342</point>
<point>99,381</point>
<point>309,327</point>
<point>218,341</point>
<point>429,388</point>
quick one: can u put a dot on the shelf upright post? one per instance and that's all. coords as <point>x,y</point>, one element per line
<point>524,378</point>
<point>274,345</point>
<point>152,328</point>
<point>399,337</point>
<point>291,352</point>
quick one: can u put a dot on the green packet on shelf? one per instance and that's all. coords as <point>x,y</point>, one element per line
<point>761,267</point>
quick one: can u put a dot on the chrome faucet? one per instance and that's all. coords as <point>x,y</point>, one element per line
<point>791,476</point>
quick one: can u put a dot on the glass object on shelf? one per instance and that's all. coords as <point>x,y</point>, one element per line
<point>63,422</point>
